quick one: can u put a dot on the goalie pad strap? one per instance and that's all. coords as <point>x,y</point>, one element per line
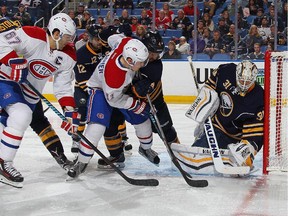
<point>206,104</point>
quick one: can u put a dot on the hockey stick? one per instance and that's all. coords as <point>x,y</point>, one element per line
<point>215,153</point>
<point>193,72</point>
<point>46,109</point>
<point>138,182</point>
<point>186,176</point>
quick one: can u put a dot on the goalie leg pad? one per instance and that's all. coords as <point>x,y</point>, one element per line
<point>197,160</point>
<point>206,104</point>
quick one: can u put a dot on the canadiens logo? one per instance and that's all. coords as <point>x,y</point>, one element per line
<point>100,115</point>
<point>226,104</point>
<point>41,69</point>
<point>7,95</point>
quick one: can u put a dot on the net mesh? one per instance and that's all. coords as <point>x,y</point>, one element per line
<point>278,113</point>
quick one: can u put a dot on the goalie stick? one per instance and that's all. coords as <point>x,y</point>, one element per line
<point>193,72</point>
<point>216,156</point>
<point>138,182</point>
<point>186,176</point>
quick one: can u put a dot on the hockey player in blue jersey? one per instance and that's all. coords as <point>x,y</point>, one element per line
<point>236,106</point>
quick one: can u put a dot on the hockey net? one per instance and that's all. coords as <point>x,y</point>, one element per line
<point>275,148</point>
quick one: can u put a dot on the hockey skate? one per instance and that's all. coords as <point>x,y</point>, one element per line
<point>149,154</point>
<point>126,146</point>
<point>9,175</point>
<point>118,161</point>
<point>77,169</point>
<point>64,162</point>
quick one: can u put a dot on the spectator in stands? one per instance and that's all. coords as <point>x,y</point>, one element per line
<point>252,37</point>
<point>80,11</point>
<point>100,3</point>
<point>253,7</point>
<point>134,23</point>
<point>150,11</point>
<point>200,43</point>
<point>200,27</point>
<point>5,13</point>
<point>184,22</point>
<point>226,17</point>
<point>231,8</point>
<point>82,41</point>
<point>270,46</point>
<point>189,9</point>
<point>257,54</point>
<point>271,19</point>
<point>125,4</point>
<point>26,3</point>
<point>101,22</point>
<point>215,45</point>
<point>116,21</point>
<point>258,19</point>
<point>87,20</point>
<point>140,32</point>
<point>264,30</point>
<point>162,22</point>
<point>23,16</point>
<point>169,13</point>
<point>208,22</point>
<point>281,38</point>
<point>183,47</point>
<point>228,38</point>
<point>177,3</point>
<point>284,13</point>
<point>172,52</point>
<point>206,36</point>
<point>71,13</point>
<point>211,5</point>
<point>125,17</point>
<point>222,26</point>
<point>242,23</point>
<point>144,19</point>
<point>241,49</point>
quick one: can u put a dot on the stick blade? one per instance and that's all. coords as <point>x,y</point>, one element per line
<point>144,182</point>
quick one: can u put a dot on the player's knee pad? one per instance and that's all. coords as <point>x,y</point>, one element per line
<point>198,159</point>
<point>20,116</point>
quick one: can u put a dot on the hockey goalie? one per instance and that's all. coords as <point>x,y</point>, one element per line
<point>235,102</point>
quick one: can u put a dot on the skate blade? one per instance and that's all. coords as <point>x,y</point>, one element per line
<point>70,179</point>
<point>128,153</point>
<point>11,183</point>
<point>143,155</point>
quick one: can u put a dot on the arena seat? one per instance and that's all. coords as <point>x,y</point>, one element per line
<point>221,56</point>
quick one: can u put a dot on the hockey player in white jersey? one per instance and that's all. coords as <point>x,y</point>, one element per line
<point>235,102</point>
<point>107,89</point>
<point>30,53</point>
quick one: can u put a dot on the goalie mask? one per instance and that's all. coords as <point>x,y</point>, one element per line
<point>246,73</point>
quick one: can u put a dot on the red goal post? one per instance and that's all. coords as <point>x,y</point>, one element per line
<point>275,147</point>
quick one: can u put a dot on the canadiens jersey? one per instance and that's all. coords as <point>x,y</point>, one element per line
<point>238,117</point>
<point>87,60</point>
<point>32,43</point>
<point>112,77</point>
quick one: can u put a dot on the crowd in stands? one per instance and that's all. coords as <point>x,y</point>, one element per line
<point>214,19</point>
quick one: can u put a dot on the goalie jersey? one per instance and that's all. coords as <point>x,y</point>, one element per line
<point>238,117</point>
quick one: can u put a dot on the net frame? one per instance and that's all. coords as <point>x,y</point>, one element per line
<point>275,146</point>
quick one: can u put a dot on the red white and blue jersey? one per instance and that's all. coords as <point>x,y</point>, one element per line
<point>112,77</point>
<point>32,43</point>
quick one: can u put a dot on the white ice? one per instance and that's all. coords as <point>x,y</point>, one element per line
<point>96,192</point>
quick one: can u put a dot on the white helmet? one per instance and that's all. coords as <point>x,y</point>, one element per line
<point>63,23</point>
<point>136,51</point>
<point>246,73</point>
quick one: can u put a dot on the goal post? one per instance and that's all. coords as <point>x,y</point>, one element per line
<point>275,146</point>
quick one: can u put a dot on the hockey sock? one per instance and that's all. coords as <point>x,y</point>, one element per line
<point>114,145</point>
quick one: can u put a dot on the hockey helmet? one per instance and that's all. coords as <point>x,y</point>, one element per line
<point>136,51</point>
<point>153,41</point>
<point>246,73</point>
<point>64,24</point>
<point>107,32</point>
<point>94,30</point>
<point>126,29</point>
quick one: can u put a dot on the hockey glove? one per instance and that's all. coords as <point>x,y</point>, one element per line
<point>72,123</point>
<point>140,107</point>
<point>19,70</point>
<point>242,153</point>
<point>142,87</point>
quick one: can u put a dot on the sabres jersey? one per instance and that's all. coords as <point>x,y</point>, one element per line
<point>32,43</point>
<point>87,60</point>
<point>238,117</point>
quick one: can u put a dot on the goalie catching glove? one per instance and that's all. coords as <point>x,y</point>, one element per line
<point>242,153</point>
<point>72,122</point>
<point>19,70</point>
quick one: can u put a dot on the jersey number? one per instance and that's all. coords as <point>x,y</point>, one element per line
<point>81,68</point>
<point>12,38</point>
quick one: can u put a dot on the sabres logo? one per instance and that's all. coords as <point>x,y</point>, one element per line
<point>226,104</point>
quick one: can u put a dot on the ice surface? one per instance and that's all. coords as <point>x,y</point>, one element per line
<point>46,192</point>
